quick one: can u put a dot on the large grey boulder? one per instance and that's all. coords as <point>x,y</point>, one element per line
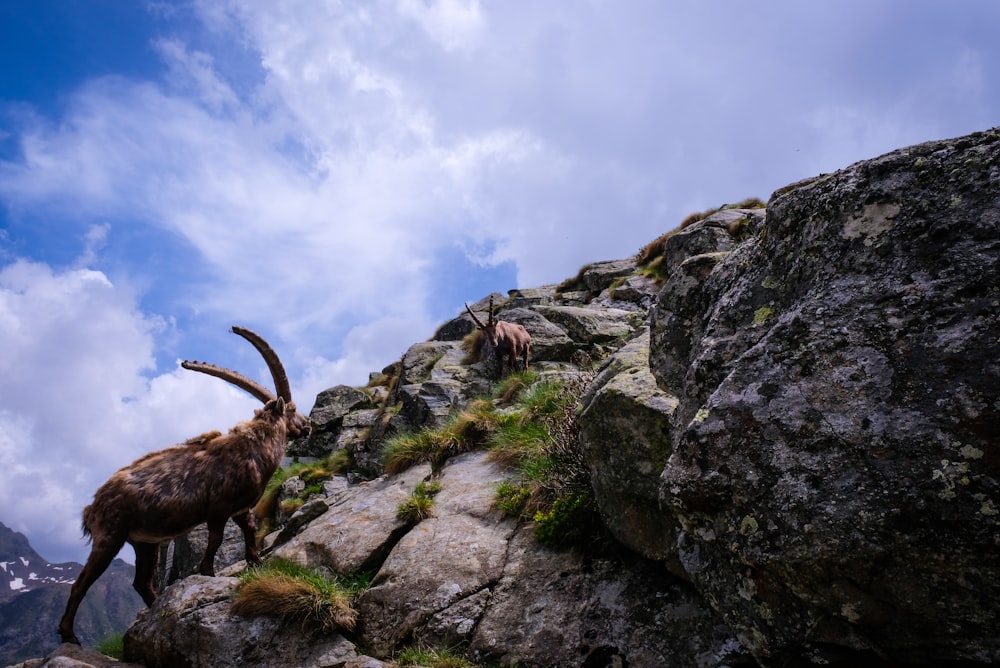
<point>560,608</point>
<point>548,340</point>
<point>421,358</point>
<point>327,417</point>
<point>836,461</point>
<point>624,428</point>
<point>588,326</point>
<point>431,587</point>
<point>359,529</point>
<point>192,624</point>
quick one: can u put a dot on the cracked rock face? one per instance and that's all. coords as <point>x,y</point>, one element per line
<point>836,457</point>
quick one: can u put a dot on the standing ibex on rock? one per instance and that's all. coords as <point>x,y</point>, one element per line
<point>209,478</point>
<point>509,341</point>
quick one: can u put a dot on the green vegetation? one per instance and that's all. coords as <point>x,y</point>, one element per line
<point>113,646</point>
<point>553,484</point>
<point>472,344</point>
<point>280,588</point>
<point>761,315</point>
<point>514,384</point>
<point>467,430</point>
<point>567,521</point>
<point>431,658</point>
<point>575,284</point>
<point>512,498</point>
<point>313,474</point>
<point>534,434</point>
<point>418,506</point>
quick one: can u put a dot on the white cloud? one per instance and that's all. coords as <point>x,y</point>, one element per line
<point>76,402</point>
<point>454,24</point>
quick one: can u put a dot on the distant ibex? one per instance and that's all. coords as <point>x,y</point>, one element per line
<point>209,478</point>
<point>508,340</point>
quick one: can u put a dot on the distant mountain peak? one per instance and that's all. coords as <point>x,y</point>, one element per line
<point>22,569</point>
<point>33,593</point>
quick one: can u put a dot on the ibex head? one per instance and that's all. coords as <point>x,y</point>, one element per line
<point>297,424</point>
<point>490,328</point>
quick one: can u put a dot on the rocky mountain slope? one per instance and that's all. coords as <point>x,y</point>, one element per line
<point>783,452</point>
<point>33,594</point>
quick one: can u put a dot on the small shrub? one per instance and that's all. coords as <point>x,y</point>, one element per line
<point>418,507</point>
<point>313,474</point>
<point>431,361</point>
<point>575,284</point>
<point>516,441</point>
<point>401,451</point>
<point>748,203</point>
<point>112,645</point>
<point>312,489</point>
<point>553,487</point>
<point>512,499</point>
<point>290,592</point>
<point>414,509</point>
<point>654,249</point>
<point>567,522</point>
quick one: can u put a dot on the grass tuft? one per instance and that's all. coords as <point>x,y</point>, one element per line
<point>418,507</point>
<point>112,645</point>
<point>535,435</point>
<point>467,430</point>
<point>431,658</point>
<point>290,592</point>
<point>511,387</point>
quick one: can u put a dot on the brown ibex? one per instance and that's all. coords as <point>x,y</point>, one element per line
<point>508,341</point>
<point>209,478</point>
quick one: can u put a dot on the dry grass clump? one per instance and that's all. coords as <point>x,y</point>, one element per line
<point>292,593</point>
<point>472,344</point>
<point>467,430</point>
<point>650,256</point>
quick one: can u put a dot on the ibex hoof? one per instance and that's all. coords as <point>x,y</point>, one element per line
<point>71,638</point>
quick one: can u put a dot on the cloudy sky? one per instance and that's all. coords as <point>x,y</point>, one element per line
<point>340,176</point>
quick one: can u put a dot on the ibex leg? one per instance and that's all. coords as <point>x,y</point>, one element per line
<point>101,554</point>
<point>247,523</point>
<point>215,529</point>
<point>145,568</point>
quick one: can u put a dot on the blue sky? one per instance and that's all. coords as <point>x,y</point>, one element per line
<point>341,176</point>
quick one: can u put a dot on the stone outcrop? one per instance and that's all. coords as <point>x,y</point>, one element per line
<point>790,435</point>
<point>835,459</point>
<point>192,625</point>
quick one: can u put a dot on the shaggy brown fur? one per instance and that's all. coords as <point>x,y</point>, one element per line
<point>209,478</point>
<point>509,341</point>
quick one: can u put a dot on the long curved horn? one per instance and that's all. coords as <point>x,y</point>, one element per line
<point>281,384</point>
<point>237,379</point>
<point>478,323</point>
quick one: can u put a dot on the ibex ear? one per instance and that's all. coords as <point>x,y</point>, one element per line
<point>278,406</point>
